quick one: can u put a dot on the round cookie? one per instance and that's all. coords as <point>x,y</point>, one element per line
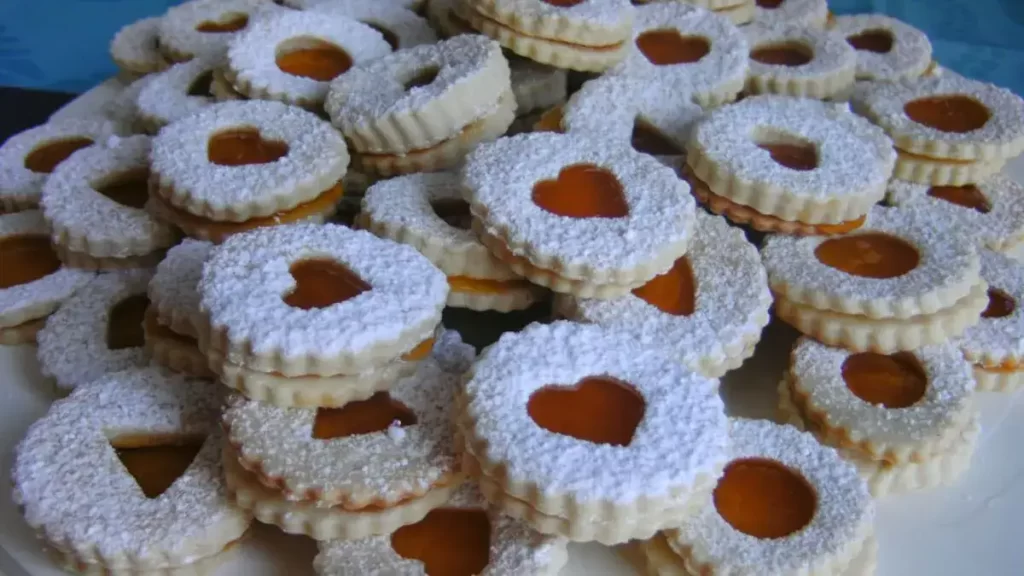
<point>204,28</point>
<point>887,49</point>
<point>401,27</point>
<point>995,345</point>
<point>135,48</point>
<point>180,91</point>
<point>799,60</point>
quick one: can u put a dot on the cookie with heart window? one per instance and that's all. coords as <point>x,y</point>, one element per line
<point>888,49</point>
<point>799,60</point>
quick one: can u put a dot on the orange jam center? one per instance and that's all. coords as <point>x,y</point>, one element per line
<point>770,4</point>
<point>801,156</point>
<point>550,121</point>
<point>674,292</point>
<point>784,54</point>
<point>156,463</point>
<point>422,78</point>
<point>764,499</point>
<point>227,23</point>
<point>242,147</point>
<point>870,255</point>
<point>967,196</point>
<point>582,191</point>
<point>563,3</point>
<point>124,324</point>
<point>322,282</point>
<point>482,285</point>
<point>648,140</point>
<point>129,189</point>
<point>362,417</point>
<point>312,58</point>
<point>893,381</point>
<point>454,212</point>
<point>954,113</point>
<point>390,37</point>
<point>597,409</point>
<point>420,351</point>
<point>26,258</point>
<point>664,47</point>
<point>1000,304</point>
<point>879,41</point>
<point>448,541</point>
<point>201,85</point>
<point>46,157</point>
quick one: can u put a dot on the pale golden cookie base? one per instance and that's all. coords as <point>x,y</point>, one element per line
<point>73,259</point>
<point>207,566</point>
<point>550,27</point>
<point>177,356</point>
<point>834,84</point>
<point>937,172</point>
<point>24,333</point>
<point>989,381</point>
<point>505,301</point>
<point>243,88</point>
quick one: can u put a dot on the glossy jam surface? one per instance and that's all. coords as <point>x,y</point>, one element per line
<point>45,158</point>
<point>582,191</point>
<point>124,325</point>
<point>1000,304</point>
<point>322,282</point>
<point>890,380</point>
<point>597,409</point>
<point>878,41</point>
<point>312,58</point>
<point>448,541</point>
<point>666,47</point>
<point>954,113</point>
<point>26,258</point>
<point>790,54</point>
<point>129,189</point>
<point>802,156</point>
<point>870,255</point>
<point>156,463</point>
<point>674,292</point>
<point>242,147</point>
<point>362,417</point>
<point>968,196</point>
<point>764,498</point>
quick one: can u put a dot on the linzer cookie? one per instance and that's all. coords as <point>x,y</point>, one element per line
<point>784,505</point>
<point>799,60</point>
<point>995,345</point>
<point>785,12</point>
<point>899,282</point>
<point>427,212</point>
<point>461,537</point>
<point>203,28</point>
<point>585,441</point>
<point>27,158</point>
<point>401,27</point>
<point>32,281</point>
<point>906,419</point>
<point>887,49</point>
<point>425,108</point>
<point>97,331</point>
<point>709,309</point>
<point>94,202</point>
<point>556,208</point>
<point>682,45</point>
<point>241,165</point>
<point>140,489</point>
<point>136,47</point>
<point>795,166</point>
<point>180,91</point>
<point>587,36</point>
<point>292,57</point>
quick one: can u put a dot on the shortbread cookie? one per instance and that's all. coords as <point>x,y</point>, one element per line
<point>141,487</point>
<point>887,49</point>
<point>32,281</point>
<point>444,17</point>
<point>292,57</point>
<point>995,345</point>
<point>235,161</point>
<point>173,294</point>
<point>384,299</point>
<point>28,157</point>
<point>709,309</point>
<point>800,12</point>
<point>943,171</point>
<point>555,209</point>
<point>96,331</point>
<point>799,60</point>
<point>488,543</point>
<point>93,202</point>
<point>427,212</point>
<point>204,28</point>
<point>180,91</point>
<point>536,86</point>
<point>84,261</point>
<point>136,47</point>
<point>684,45</point>
<point>401,27</point>
<point>785,505</point>
<point>173,350</point>
<point>554,456</point>
<point>122,109</point>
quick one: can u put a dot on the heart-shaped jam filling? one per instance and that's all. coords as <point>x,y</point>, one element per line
<point>201,85</point>
<point>893,381</point>
<point>129,189</point>
<point>665,47</point>
<point>870,255</point>
<point>156,462</point>
<point>45,158</point>
<point>790,54</point>
<point>953,113</point>
<point>878,41</point>
<point>124,324</point>
<point>764,498</point>
<point>242,147</point>
<point>390,37</point>
<point>967,196</point>
<point>312,58</point>
<point>322,282</point>
<point>1000,304</point>
<point>597,409</point>
<point>582,191</point>
<point>231,22</point>
<point>423,77</point>
<point>376,414</point>
<point>26,258</point>
<point>448,541</point>
<point>648,140</point>
<point>674,292</point>
<point>455,213</point>
<point>770,4</point>
<point>793,153</point>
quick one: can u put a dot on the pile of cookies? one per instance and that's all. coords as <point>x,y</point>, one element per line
<point>236,274</point>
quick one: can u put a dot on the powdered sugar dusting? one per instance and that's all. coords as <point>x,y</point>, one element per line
<point>801,12</point>
<point>179,32</point>
<point>166,98</point>
<point>832,55</point>
<point>408,28</point>
<point>909,57</point>
<point>997,339</point>
<point>136,46</point>
<point>172,291</point>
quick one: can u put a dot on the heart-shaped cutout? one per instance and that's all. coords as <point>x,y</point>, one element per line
<point>124,324</point>
<point>312,58</point>
<point>455,213</point>
<point>156,463</point>
<point>1000,304</point>
<point>44,159</point>
<point>790,54</point>
<point>129,189</point>
<point>954,113</point>
<point>322,282</point>
<point>878,41</point>
<point>764,498</point>
<point>893,380</point>
<point>967,196</point>
<point>666,47</point>
<point>448,541</point>
<point>793,153</point>
<point>597,409</point>
<point>230,22</point>
<point>647,139</point>
<point>870,255</point>
<point>26,258</point>
<point>376,414</point>
<point>674,292</point>
<point>582,191</point>
<point>242,147</point>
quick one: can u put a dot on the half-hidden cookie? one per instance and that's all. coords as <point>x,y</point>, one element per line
<point>738,12</point>
<point>96,331</point>
<point>708,310</point>
<point>555,208</point>
<point>536,86</point>
<point>180,91</point>
<point>140,488</point>
<point>32,281</point>
<point>782,12</point>
<point>784,505</point>
<point>401,27</point>
<point>576,443</point>
<point>94,202</point>
<point>799,60</point>
<point>203,28</point>
<point>427,212</point>
<point>897,283</point>
<point>887,49</point>
<point>135,48</point>
<point>461,536</point>
<point>27,158</point>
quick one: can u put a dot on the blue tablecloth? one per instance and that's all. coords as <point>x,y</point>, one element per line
<point>62,44</point>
